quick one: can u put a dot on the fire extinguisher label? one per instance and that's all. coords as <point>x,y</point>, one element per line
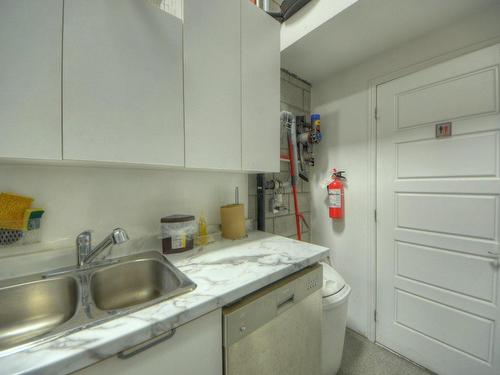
<point>335,198</point>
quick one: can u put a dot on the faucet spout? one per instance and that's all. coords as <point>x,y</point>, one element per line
<point>84,251</point>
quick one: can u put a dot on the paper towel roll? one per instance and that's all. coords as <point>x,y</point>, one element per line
<point>232,219</point>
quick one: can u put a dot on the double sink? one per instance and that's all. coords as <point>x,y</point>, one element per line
<point>45,306</point>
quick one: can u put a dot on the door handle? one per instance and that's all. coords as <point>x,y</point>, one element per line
<point>496,258</point>
<point>139,348</point>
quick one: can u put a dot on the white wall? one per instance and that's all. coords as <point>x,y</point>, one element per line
<point>343,102</point>
<point>79,198</point>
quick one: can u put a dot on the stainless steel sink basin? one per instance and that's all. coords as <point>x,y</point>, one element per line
<point>34,308</point>
<point>132,283</point>
<point>42,307</point>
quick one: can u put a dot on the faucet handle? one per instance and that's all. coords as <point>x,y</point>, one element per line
<point>83,246</point>
<point>84,237</point>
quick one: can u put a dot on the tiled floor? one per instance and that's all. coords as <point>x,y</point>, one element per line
<point>362,357</point>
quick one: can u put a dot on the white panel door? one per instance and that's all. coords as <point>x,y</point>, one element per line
<point>212,84</point>
<point>122,83</point>
<point>260,89</point>
<point>438,204</point>
<point>30,78</point>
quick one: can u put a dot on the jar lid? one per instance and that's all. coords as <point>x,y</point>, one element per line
<point>177,218</point>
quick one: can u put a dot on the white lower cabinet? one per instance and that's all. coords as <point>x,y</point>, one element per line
<point>195,348</point>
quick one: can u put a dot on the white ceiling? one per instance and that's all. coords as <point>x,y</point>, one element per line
<point>367,28</point>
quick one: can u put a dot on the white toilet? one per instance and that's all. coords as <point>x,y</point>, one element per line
<point>335,297</point>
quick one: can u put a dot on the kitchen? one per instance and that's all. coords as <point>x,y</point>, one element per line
<point>121,114</point>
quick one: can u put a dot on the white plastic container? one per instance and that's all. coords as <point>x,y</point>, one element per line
<point>335,301</point>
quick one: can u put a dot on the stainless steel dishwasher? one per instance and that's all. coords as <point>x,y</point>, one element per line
<point>276,330</point>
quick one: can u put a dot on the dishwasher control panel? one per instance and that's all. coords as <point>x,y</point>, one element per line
<point>312,283</point>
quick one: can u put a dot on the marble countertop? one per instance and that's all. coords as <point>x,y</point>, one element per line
<point>224,272</point>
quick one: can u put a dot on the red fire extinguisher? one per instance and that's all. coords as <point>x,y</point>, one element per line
<point>336,195</point>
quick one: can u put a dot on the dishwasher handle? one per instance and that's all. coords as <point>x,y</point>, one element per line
<point>284,303</point>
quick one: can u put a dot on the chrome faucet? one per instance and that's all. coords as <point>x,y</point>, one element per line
<point>84,252</point>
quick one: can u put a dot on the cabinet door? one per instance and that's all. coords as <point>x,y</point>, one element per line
<point>196,348</point>
<point>122,83</point>
<point>260,64</point>
<point>212,83</point>
<point>30,78</point>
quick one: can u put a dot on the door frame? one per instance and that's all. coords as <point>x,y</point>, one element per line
<point>372,282</point>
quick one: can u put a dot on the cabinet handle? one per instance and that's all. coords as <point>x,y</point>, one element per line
<point>139,348</point>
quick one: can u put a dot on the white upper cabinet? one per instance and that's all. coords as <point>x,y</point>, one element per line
<point>122,83</point>
<point>112,81</point>
<point>260,88</point>
<point>30,79</point>
<point>212,84</point>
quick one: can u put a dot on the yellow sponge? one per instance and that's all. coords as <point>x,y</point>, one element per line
<point>12,210</point>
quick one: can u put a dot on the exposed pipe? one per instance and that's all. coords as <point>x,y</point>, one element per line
<point>290,7</point>
<point>263,4</point>
<point>287,8</point>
